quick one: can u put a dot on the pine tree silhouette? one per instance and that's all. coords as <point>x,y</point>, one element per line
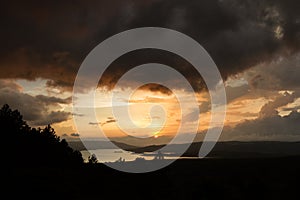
<point>34,146</point>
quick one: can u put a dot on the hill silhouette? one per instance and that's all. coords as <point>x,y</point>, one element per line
<point>34,146</point>
<point>36,157</point>
<point>232,149</point>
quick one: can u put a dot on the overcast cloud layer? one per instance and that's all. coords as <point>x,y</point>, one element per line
<point>50,40</point>
<point>256,39</point>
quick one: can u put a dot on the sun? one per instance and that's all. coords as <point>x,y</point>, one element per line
<point>155,134</point>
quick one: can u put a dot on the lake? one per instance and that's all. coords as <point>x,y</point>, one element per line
<point>112,155</point>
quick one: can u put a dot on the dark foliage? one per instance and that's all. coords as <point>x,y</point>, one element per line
<point>34,146</point>
<point>92,159</point>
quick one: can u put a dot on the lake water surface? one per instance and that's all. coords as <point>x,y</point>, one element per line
<point>112,155</point>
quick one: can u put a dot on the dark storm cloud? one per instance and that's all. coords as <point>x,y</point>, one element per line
<point>22,102</point>
<point>33,108</point>
<point>94,123</point>
<point>233,93</point>
<point>75,134</point>
<point>156,87</point>
<point>53,100</point>
<point>237,34</point>
<point>52,118</point>
<point>78,114</point>
<point>282,74</point>
<point>269,124</point>
<point>292,109</point>
<point>50,40</point>
<point>10,84</point>
<point>139,57</point>
<point>269,127</point>
<point>109,120</point>
<point>270,108</point>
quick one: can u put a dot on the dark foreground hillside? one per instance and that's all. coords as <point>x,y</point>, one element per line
<point>252,178</point>
<point>39,165</point>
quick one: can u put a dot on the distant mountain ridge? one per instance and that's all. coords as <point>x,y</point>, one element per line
<point>230,149</point>
<point>97,144</point>
<point>235,149</point>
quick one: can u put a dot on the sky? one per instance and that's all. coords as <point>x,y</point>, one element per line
<point>255,44</point>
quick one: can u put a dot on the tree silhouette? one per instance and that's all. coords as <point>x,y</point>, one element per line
<point>34,146</point>
<point>12,120</point>
<point>92,159</point>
